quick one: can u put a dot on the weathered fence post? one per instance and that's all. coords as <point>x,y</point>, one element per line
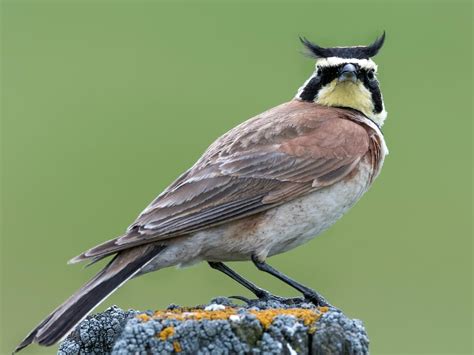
<point>221,327</point>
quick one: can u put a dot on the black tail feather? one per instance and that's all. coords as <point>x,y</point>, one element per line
<point>60,322</point>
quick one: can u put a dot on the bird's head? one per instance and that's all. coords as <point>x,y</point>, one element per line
<point>345,77</point>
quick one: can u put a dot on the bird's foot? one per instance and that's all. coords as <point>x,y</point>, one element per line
<point>316,299</point>
<point>265,297</point>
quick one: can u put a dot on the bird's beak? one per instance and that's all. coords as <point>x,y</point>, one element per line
<point>348,73</point>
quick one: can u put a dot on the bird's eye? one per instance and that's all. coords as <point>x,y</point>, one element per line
<point>318,72</point>
<point>370,75</point>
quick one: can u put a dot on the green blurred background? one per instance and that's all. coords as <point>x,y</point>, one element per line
<point>105,103</point>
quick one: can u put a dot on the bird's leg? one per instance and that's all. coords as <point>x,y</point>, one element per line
<point>308,293</point>
<point>257,291</point>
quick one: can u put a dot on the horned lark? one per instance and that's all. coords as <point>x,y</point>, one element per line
<point>267,186</point>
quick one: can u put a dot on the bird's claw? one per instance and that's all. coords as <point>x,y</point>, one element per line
<point>288,301</point>
<point>266,297</point>
<point>241,298</point>
<point>316,299</point>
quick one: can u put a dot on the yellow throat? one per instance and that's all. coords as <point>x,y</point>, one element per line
<point>346,94</point>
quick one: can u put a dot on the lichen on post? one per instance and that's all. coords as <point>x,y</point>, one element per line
<point>220,327</point>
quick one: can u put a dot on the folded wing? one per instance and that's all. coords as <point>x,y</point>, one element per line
<point>278,156</point>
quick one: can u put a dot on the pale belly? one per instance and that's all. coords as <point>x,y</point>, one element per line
<point>289,225</point>
<point>272,232</point>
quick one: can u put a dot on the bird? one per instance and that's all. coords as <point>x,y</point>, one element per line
<point>268,185</point>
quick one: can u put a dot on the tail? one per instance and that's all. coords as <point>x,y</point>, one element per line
<point>63,320</point>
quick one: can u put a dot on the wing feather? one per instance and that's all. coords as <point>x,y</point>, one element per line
<point>278,156</point>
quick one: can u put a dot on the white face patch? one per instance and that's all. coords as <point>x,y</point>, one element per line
<point>335,61</point>
<point>379,118</point>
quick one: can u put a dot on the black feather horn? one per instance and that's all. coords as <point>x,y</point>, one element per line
<point>374,48</point>
<point>315,50</point>
<point>358,52</point>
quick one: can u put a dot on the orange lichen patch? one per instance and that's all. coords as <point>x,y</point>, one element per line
<point>166,333</point>
<point>177,346</point>
<point>265,317</point>
<point>308,316</point>
<point>323,309</point>
<point>144,317</point>
<point>197,314</point>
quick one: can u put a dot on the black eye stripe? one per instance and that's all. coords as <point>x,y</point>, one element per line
<point>373,86</point>
<point>329,73</point>
<point>311,89</point>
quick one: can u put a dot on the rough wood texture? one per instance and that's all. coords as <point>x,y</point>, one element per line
<point>221,327</point>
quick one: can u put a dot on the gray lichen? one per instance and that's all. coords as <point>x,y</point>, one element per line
<point>221,327</point>
<point>338,334</point>
<point>97,333</point>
